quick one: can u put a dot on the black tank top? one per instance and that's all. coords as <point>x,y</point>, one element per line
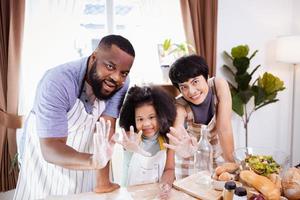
<point>204,112</point>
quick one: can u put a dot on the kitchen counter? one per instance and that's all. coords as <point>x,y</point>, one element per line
<point>145,192</point>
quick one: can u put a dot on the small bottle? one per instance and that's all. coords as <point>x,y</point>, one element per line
<point>228,190</point>
<point>240,193</point>
<point>203,157</point>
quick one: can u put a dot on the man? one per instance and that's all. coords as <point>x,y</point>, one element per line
<point>61,150</point>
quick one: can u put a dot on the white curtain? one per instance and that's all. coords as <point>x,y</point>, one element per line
<point>49,32</point>
<point>50,29</point>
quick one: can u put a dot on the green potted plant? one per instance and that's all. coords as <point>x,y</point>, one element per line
<point>168,52</point>
<point>263,90</point>
<point>169,48</point>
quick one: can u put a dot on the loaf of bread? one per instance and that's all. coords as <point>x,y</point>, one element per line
<point>225,176</point>
<point>226,167</point>
<point>275,178</point>
<point>261,183</point>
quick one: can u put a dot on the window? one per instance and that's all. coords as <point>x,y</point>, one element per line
<point>60,31</point>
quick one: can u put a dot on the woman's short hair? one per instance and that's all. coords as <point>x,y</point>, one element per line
<point>162,102</point>
<point>187,67</point>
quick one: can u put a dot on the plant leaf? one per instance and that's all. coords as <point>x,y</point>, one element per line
<point>167,44</point>
<point>232,87</point>
<point>243,81</point>
<point>240,51</point>
<point>254,70</point>
<point>229,69</point>
<point>227,54</point>
<point>182,47</point>
<point>245,95</point>
<point>259,95</point>
<point>237,104</point>
<point>270,83</point>
<point>241,64</point>
<point>253,84</point>
<point>254,53</point>
<point>269,102</point>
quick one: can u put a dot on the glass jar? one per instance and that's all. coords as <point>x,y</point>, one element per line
<point>203,157</point>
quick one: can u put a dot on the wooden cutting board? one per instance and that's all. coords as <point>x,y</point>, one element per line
<point>195,186</point>
<point>145,192</point>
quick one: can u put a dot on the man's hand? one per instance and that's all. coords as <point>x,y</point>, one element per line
<point>132,143</point>
<point>106,188</point>
<point>103,148</point>
<point>181,142</point>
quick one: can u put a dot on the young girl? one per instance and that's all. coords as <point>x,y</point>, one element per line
<point>149,111</point>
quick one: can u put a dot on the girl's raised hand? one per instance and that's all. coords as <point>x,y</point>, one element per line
<point>132,143</point>
<point>181,142</point>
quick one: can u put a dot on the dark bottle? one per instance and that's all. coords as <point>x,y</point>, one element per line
<point>228,190</point>
<point>240,193</point>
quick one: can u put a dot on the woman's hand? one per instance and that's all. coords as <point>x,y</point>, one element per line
<point>132,143</point>
<point>103,148</point>
<point>181,142</point>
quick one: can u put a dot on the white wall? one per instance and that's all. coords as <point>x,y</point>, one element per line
<point>296,30</point>
<point>258,23</point>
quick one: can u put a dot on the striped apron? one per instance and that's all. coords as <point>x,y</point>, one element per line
<point>185,166</point>
<point>38,178</point>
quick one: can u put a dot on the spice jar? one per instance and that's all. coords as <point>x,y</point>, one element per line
<point>228,190</point>
<point>240,193</point>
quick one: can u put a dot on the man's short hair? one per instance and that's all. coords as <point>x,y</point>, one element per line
<point>119,41</point>
<point>187,67</point>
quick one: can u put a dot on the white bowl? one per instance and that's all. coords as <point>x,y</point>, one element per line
<point>280,157</point>
<point>219,185</point>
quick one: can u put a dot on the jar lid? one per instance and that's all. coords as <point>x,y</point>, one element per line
<point>240,191</point>
<point>230,185</point>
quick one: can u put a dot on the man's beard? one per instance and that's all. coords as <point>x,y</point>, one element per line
<point>97,84</point>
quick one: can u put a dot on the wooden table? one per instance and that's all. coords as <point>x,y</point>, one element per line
<point>145,192</point>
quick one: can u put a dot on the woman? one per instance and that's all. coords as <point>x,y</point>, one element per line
<point>203,101</point>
